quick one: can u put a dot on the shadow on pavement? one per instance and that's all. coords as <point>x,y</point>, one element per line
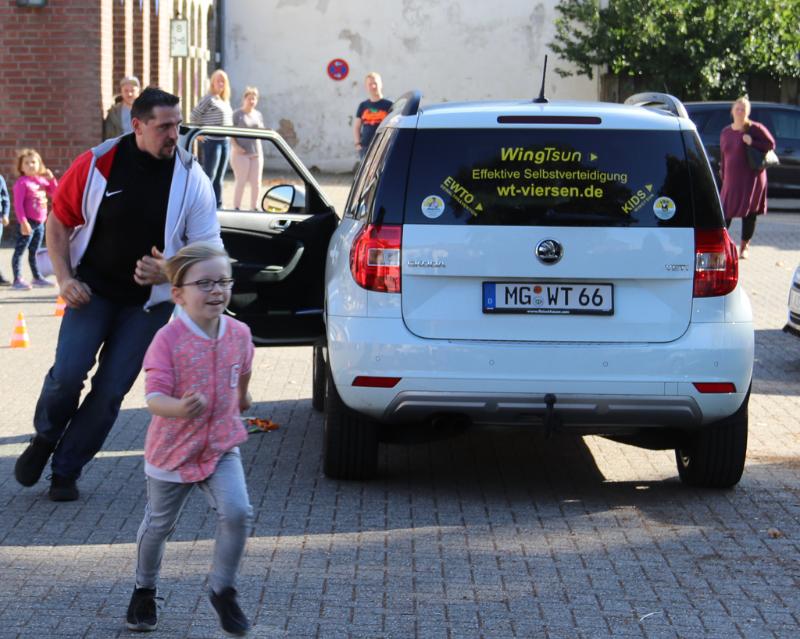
<point>460,472</point>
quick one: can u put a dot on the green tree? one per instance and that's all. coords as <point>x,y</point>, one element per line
<point>693,48</point>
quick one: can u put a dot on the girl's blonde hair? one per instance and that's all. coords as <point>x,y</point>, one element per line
<point>743,100</point>
<point>226,91</point>
<point>249,91</point>
<point>190,255</point>
<point>24,153</point>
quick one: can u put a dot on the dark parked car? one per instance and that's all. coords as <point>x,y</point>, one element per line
<point>783,121</point>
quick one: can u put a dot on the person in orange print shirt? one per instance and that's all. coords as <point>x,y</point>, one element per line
<point>370,113</point>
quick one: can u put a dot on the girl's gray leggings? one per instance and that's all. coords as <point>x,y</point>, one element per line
<point>226,492</point>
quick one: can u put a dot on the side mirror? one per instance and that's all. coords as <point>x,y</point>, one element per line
<point>283,198</point>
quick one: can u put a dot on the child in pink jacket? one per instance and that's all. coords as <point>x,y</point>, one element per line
<point>32,189</point>
<point>197,372</point>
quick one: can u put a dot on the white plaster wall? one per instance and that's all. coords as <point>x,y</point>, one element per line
<point>449,50</point>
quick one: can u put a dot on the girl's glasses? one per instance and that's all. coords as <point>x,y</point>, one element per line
<point>226,284</point>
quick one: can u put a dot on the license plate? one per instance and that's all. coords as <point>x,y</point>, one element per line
<point>794,301</point>
<point>548,298</point>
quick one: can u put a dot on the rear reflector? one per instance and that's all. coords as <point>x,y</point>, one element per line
<point>376,382</point>
<point>375,258</point>
<point>716,263</point>
<point>715,387</point>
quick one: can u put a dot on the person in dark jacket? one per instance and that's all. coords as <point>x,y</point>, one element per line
<point>118,119</point>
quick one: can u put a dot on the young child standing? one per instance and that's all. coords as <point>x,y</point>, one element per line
<point>197,370</point>
<point>35,184</point>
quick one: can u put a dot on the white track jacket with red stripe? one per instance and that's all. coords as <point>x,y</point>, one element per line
<point>191,209</point>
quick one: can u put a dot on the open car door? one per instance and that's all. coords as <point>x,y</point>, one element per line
<point>278,252</point>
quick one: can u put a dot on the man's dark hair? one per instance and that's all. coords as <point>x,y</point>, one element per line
<point>151,97</point>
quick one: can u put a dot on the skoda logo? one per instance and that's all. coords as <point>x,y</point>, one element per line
<point>549,251</point>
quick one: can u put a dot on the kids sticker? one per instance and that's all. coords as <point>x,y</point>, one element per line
<point>664,208</point>
<point>432,206</point>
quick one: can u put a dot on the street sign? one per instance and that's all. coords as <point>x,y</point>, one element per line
<point>179,38</point>
<point>338,69</point>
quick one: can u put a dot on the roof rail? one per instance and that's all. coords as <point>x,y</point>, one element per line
<point>662,100</point>
<point>407,104</point>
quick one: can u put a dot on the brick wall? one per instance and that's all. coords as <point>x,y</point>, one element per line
<point>60,68</point>
<point>50,94</point>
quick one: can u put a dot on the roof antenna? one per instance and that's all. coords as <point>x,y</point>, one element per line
<point>541,99</point>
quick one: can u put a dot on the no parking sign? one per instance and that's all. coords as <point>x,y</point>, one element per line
<point>338,69</point>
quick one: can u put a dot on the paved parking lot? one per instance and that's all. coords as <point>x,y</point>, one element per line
<point>474,534</point>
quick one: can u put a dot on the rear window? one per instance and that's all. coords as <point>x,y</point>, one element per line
<point>555,177</point>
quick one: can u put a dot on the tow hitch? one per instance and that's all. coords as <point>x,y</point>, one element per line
<point>552,422</point>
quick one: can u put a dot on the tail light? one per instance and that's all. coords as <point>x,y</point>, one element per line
<point>375,258</point>
<point>716,263</point>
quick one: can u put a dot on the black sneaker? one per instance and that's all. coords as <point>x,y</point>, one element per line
<point>4,281</point>
<point>32,461</point>
<point>231,617</point>
<point>142,611</point>
<point>63,488</point>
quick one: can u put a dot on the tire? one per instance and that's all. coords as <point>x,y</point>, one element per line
<point>349,441</point>
<point>714,457</point>
<point>318,379</point>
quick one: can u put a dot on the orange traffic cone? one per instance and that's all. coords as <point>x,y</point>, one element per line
<point>20,339</point>
<point>60,306</point>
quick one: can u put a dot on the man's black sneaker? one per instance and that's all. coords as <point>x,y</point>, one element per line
<point>32,461</point>
<point>63,488</point>
<point>142,611</point>
<point>231,617</point>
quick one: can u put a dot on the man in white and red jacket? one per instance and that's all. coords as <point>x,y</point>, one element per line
<point>121,209</point>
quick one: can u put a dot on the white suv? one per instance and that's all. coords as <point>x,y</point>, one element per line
<point>560,265</point>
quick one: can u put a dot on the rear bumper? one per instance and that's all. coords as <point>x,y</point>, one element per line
<point>594,385</point>
<point>575,411</point>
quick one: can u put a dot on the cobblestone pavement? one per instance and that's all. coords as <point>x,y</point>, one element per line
<point>480,534</point>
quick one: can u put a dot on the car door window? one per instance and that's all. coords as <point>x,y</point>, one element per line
<point>717,121</point>
<point>700,119</point>
<point>362,179</point>
<point>238,180</point>
<point>363,194</point>
<point>785,124</point>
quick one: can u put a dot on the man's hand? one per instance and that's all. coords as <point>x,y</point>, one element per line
<point>74,292</point>
<point>150,269</point>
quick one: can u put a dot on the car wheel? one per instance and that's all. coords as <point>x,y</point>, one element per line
<point>318,379</point>
<point>714,456</point>
<point>350,440</point>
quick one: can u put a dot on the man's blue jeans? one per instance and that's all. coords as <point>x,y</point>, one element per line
<point>121,334</point>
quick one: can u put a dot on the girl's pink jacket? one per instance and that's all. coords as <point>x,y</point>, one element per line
<point>182,358</point>
<point>30,197</point>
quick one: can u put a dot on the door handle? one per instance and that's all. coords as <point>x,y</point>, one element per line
<point>280,225</point>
